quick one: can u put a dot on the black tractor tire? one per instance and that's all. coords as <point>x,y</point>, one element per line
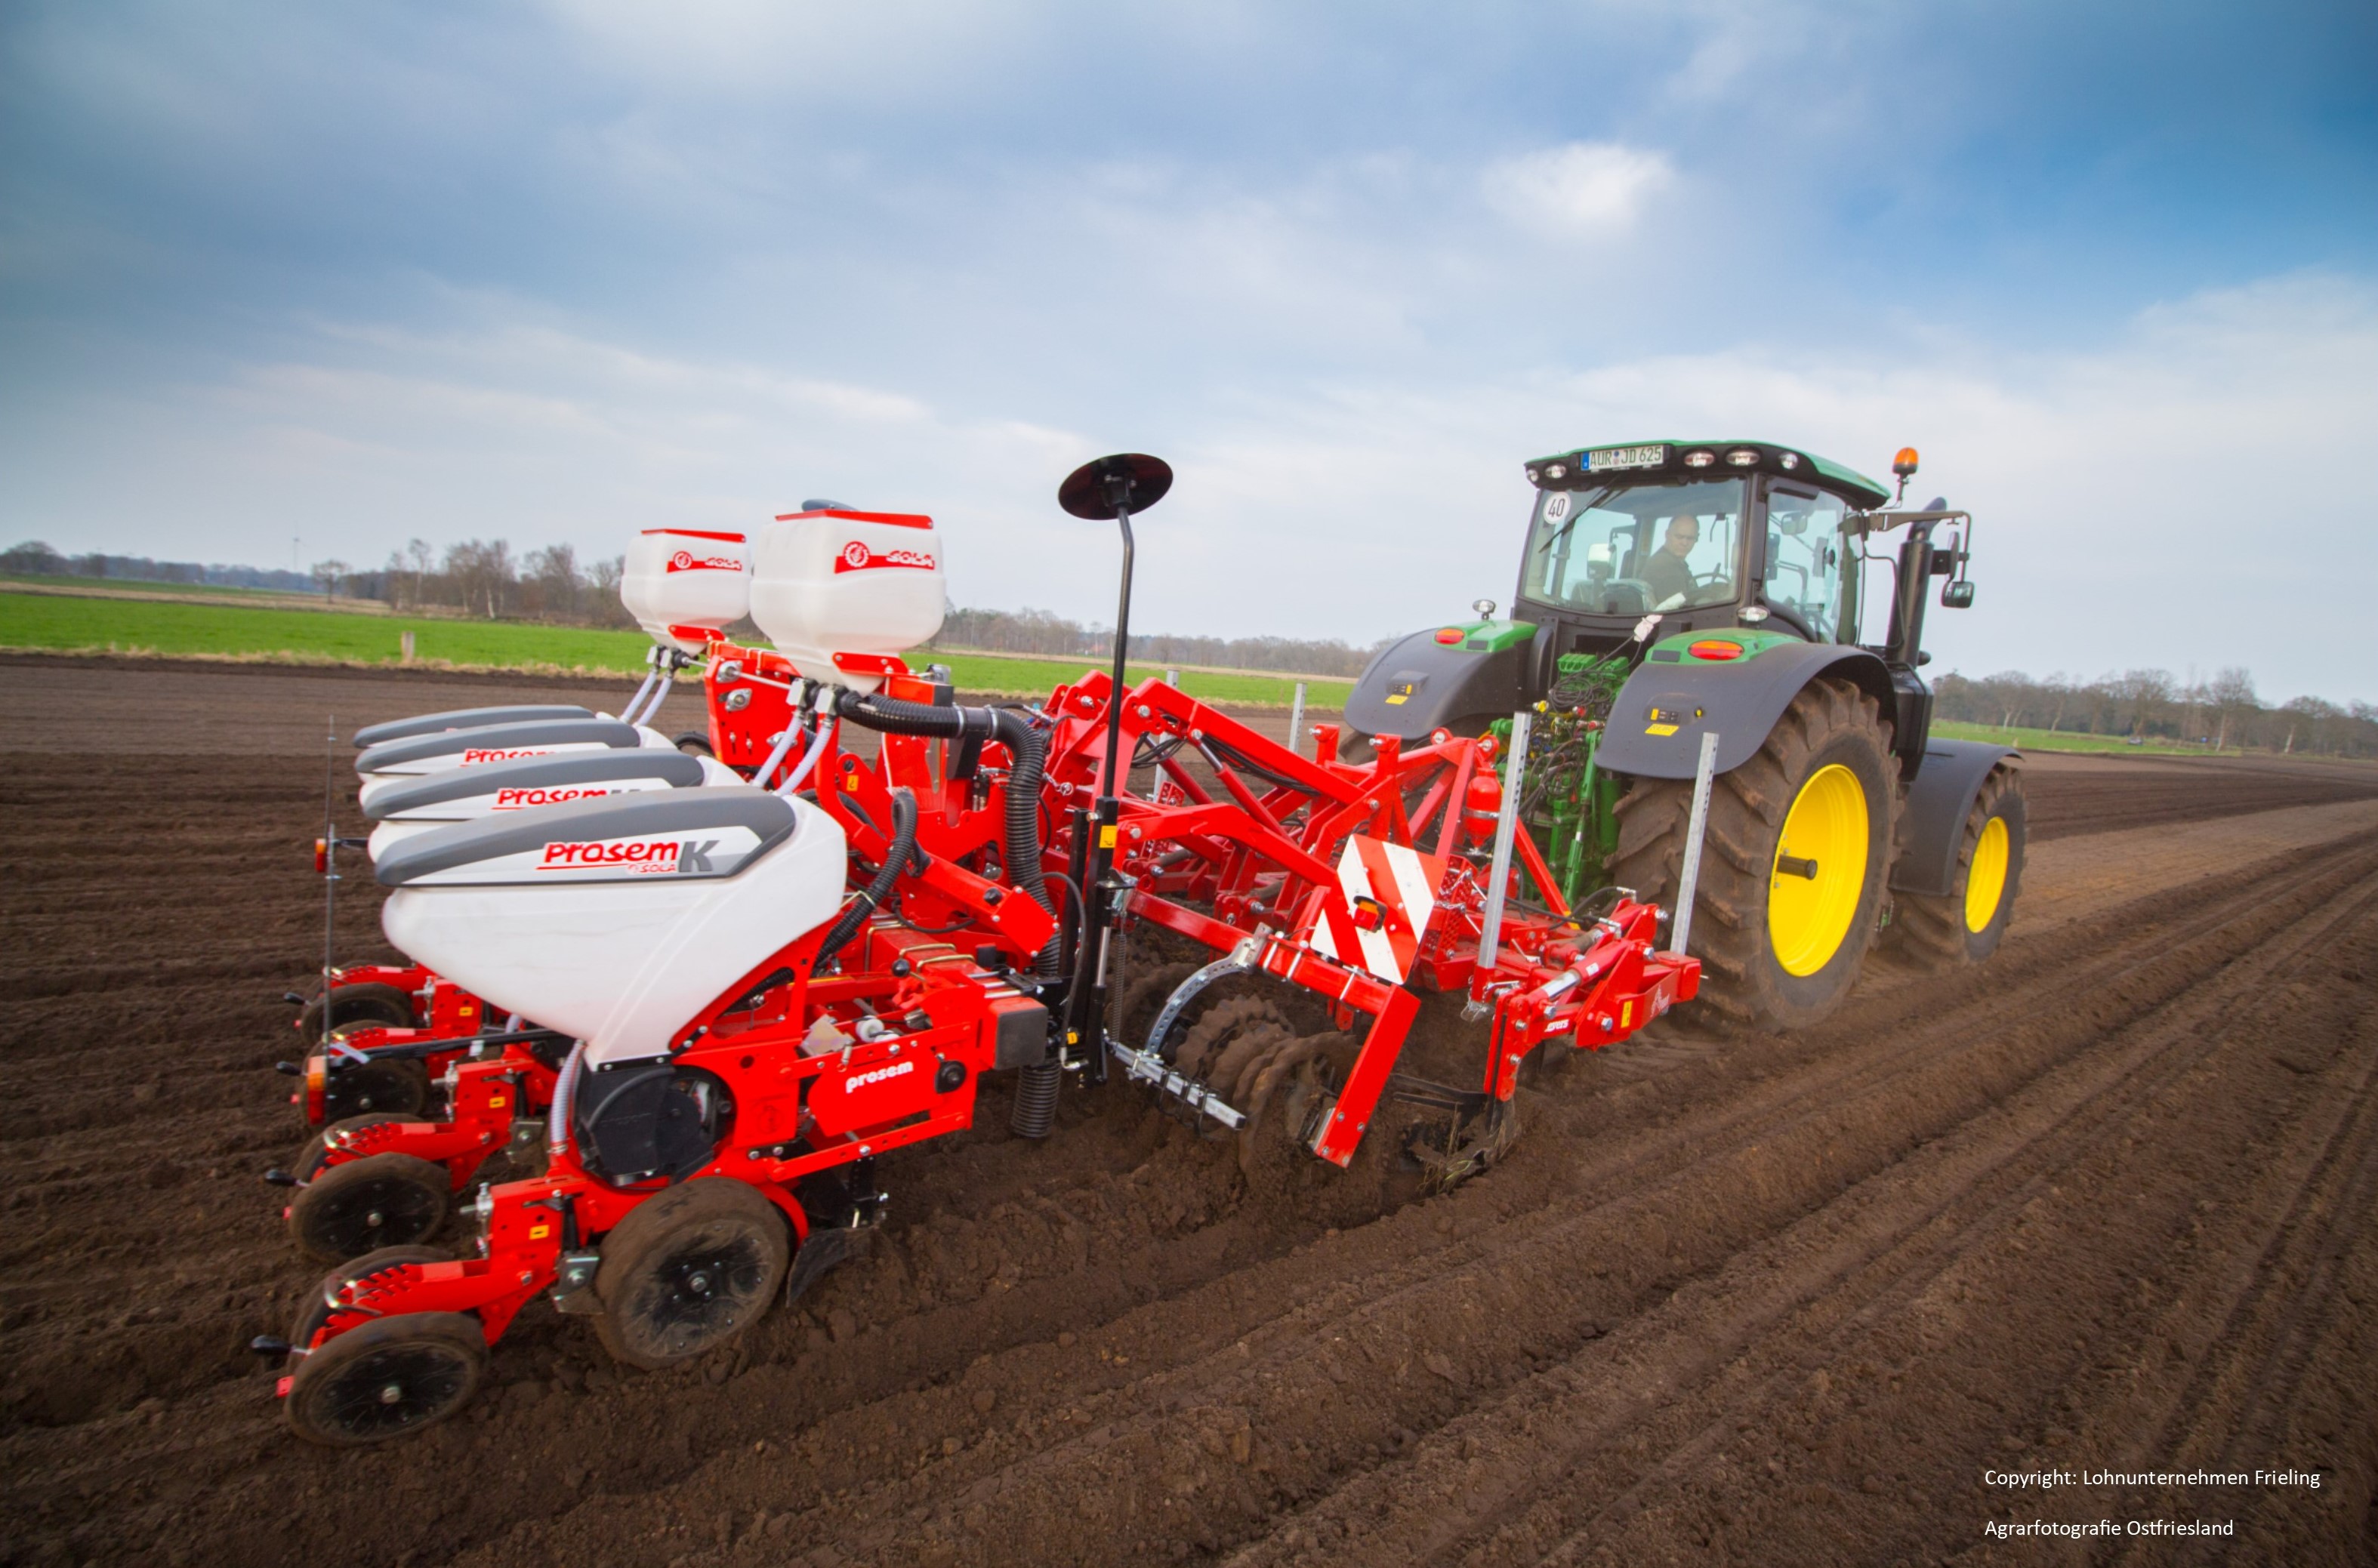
<point>1745,982</point>
<point>308,1162</point>
<point>399,1087</point>
<point>688,1270</point>
<point>367,1003</point>
<point>693,743</point>
<point>314,1308</point>
<point>387,1379</point>
<point>379,1200</point>
<point>1967,927</point>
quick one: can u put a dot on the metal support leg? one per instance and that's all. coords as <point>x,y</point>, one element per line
<point>1690,883</point>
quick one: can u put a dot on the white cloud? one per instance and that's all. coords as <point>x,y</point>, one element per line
<point>2187,491</point>
<point>1581,189</point>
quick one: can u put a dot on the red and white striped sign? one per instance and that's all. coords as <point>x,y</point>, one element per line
<point>1392,890</point>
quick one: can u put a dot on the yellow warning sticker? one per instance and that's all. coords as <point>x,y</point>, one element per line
<point>1660,729</point>
<point>1397,700</point>
<point>1626,1014</point>
<point>539,1231</point>
<point>1106,836</point>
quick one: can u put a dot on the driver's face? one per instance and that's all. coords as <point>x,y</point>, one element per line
<point>1684,532</point>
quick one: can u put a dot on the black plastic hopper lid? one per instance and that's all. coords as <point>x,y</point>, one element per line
<point>1104,487</point>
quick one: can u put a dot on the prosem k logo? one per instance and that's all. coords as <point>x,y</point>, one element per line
<point>686,560</point>
<point>688,857</point>
<point>857,556</point>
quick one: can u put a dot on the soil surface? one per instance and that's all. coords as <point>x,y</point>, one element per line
<point>2100,1205</point>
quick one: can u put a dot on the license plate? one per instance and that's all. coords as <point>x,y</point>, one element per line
<point>1624,457</point>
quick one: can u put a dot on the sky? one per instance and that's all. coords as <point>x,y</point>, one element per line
<point>282,279</point>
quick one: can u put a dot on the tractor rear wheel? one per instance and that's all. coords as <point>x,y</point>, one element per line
<point>1967,925</point>
<point>379,1200</point>
<point>688,1270</point>
<point>1794,863</point>
<point>387,1378</point>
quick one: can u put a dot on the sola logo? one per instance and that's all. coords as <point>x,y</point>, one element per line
<point>686,560</point>
<point>857,556</point>
<point>858,1081</point>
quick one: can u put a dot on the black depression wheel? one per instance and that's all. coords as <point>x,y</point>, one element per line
<point>693,743</point>
<point>381,1201</point>
<point>399,1088</point>
<point>1967,926</point>
<point>386,1379</point>
<point>367,1003</point>
<point>309,1158</point>
<point>314,1311</point>
<point>688,1270</point>
<point>1794,863</point>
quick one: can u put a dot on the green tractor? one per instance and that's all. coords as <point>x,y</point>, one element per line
<point>1675,590</point>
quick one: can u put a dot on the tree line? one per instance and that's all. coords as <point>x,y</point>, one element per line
<point>1048,635</point>
<point>484,578</point>
<point>478,578</point>
<point>2221,713</point>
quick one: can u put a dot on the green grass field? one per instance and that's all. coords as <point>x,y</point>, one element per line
<point>65,624</point>
<point>136,586</point>
<point>2065,740</point>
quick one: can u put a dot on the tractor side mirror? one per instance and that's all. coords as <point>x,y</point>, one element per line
<point>1957,595</point>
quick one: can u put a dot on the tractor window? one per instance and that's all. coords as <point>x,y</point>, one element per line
<point>1805,560</point>
<point>1621,550</point>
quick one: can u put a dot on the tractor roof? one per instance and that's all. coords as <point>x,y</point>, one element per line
<point>1567,471</point>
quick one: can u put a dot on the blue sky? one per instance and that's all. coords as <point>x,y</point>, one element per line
<point>564,271</point>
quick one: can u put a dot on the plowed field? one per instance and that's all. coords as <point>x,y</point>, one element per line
<point>2104,1205</point>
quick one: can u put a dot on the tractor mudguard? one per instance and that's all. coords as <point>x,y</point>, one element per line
<point>1930,828</point>
<point>1419,684</point>
<point>1667,704</point>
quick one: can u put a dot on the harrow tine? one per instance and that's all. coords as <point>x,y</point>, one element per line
<point>1146,1067</point>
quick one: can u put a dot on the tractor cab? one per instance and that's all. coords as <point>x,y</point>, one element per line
<point>1705,535</point>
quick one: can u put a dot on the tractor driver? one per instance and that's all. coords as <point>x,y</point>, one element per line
<point>1668,574</point>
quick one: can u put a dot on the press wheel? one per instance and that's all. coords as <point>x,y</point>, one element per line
<point>688,1270</point>
<point>387,1378</point>
<point>379,1200</point>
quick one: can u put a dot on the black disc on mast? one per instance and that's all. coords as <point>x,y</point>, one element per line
<point>1127,482</point>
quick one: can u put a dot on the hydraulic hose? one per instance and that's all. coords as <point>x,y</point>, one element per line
<point>1025,744</point>
<point>817,749</point>
<point>904,849</point>
<point>1035,1110</point>
<point>565,1090</point>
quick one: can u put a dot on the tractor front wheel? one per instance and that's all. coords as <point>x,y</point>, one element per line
<point>1967,925</point>
<point>1793,861</point>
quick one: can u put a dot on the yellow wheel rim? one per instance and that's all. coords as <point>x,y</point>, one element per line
<point>1808,915</point>
<point>1986,878</point>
